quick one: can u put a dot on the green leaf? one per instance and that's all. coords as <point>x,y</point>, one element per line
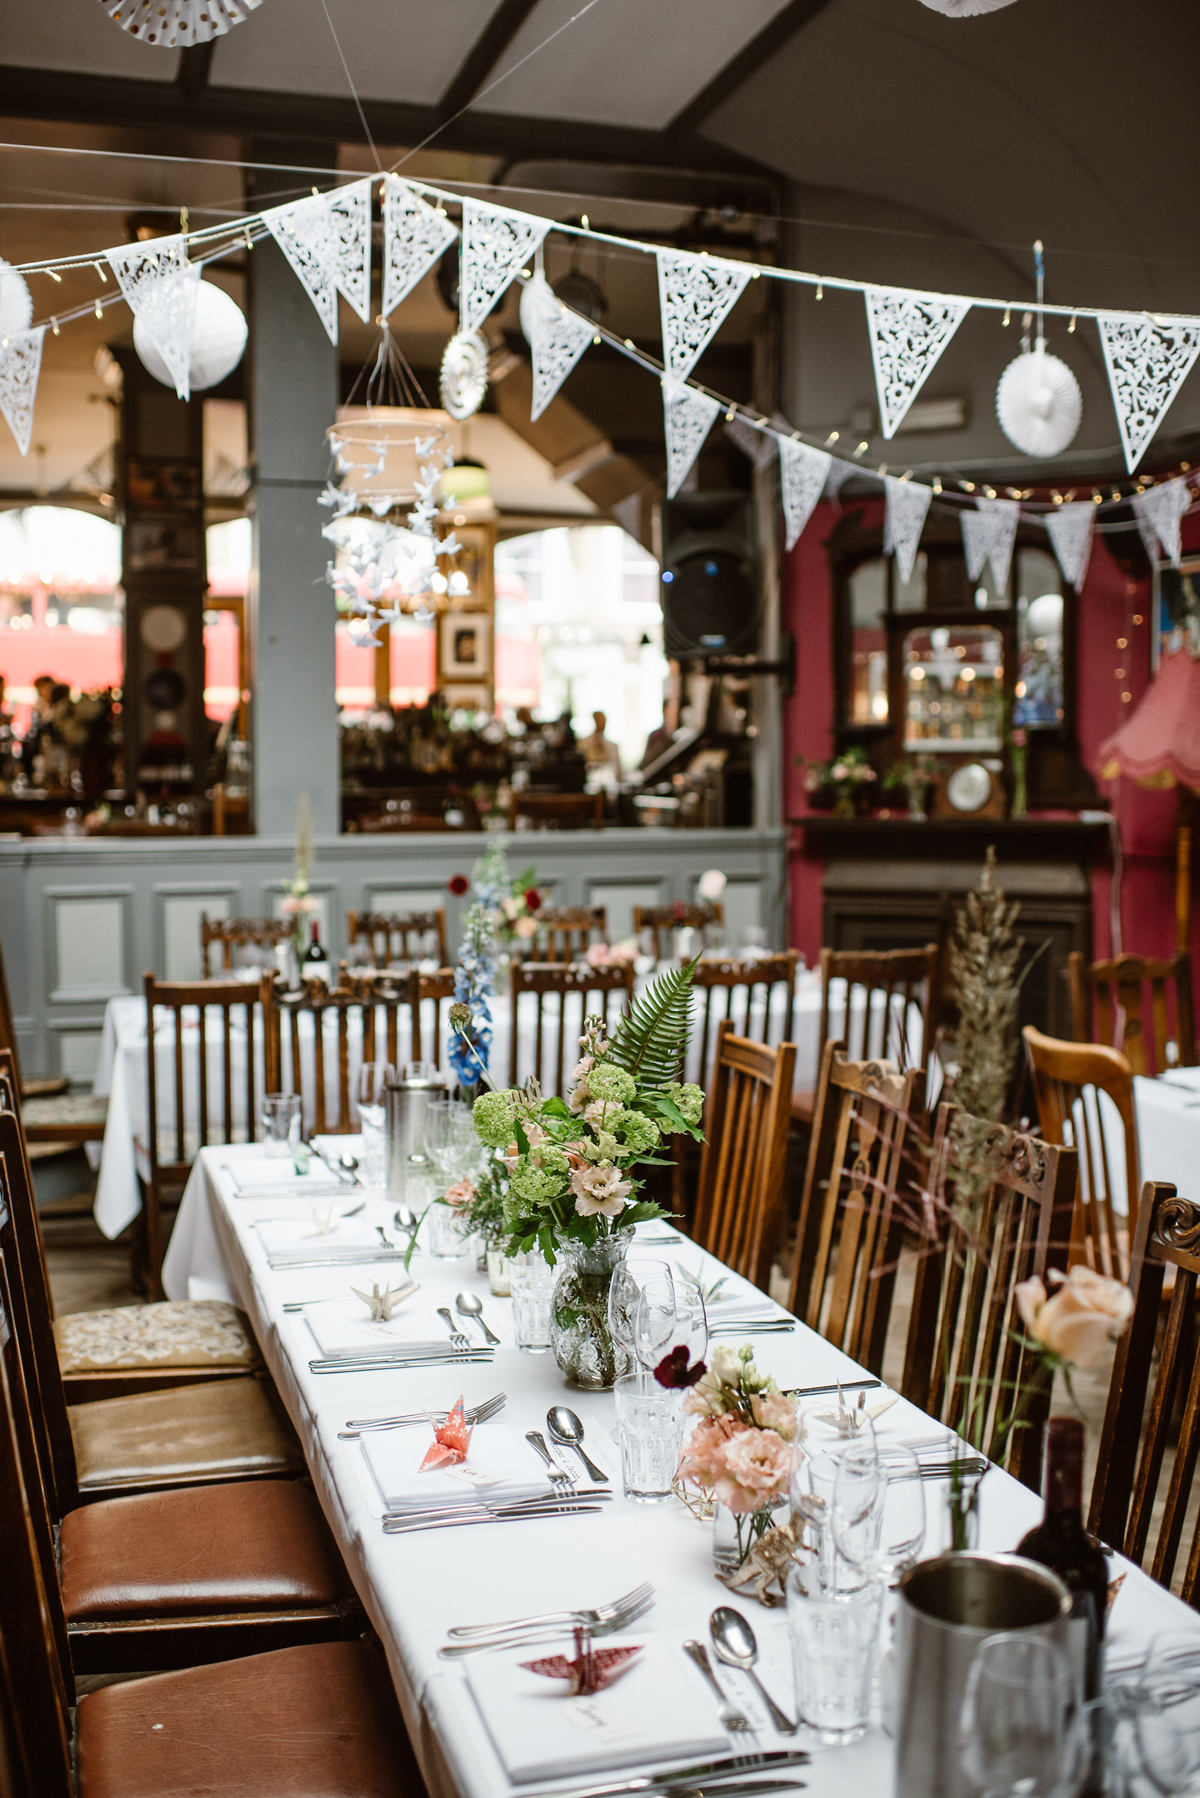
<point>554,1108</point>
<point>521,1139</point>
<point>651,1040</point>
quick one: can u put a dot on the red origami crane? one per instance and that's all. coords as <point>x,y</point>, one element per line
<point>451,1440</point>
<point>590,1671</point>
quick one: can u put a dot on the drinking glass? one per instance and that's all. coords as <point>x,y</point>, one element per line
<point>813,1479</point>
<point>1167,1713</point>
<point>373,1078</point>
<point>655,1320</point>
<point>624,1293</point>
<point>878,1509</point>
<point>834,1637</point>
<point>281,1123</point>
<point>649,1428</point>
<point>444,1238</point>
<point>532,1283</point>
<point>1018,1734</point>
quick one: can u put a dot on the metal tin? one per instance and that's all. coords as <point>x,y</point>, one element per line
<point>404,1124</point>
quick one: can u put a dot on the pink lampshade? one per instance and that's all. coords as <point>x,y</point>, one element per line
<point>1159,744</point>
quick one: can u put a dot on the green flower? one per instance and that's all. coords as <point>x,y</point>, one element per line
<point>532,1186</point>
<point>608,1082</point>
<point>688,1099</point>
<point>494,1119</point>
<point>551,1159</point>
<point>638,1133</point>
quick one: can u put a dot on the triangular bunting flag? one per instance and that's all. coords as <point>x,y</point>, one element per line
<point>689,416</point>
<point>1070,528</point>
<point>414,237</point>
<point>803,472</point>
<point>306,233</point>
<point>694,294</point>
<point>1147,365</point>
<point>988,536</point>
<point>907,504</point>
<point>20,365</point>
<point>835,480</point>
<point>495,244</point>
<point>350,220</point>
<point>160,284</point>
<point>761,446</point>
<point>1160,509</point>
<point>557,338</point>
<point>908,333</point>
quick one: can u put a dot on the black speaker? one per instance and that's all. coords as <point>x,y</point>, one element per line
<point>710,589</point>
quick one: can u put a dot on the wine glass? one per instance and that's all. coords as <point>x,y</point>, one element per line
<point>878,1508</point>
<point>623,1297</point>
<point>813,1480</point>
<point>1019,1734</point>
<point>1166,1713</point>
<point>655,1320</point>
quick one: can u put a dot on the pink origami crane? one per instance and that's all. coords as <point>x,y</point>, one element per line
<point>590,1671</point>
<point>451,1440</point>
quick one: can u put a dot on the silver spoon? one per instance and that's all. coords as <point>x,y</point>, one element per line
<point>735,1644</point>
<point>350,1163</point>
<point>469,1304</point>
<point>405,1219</point>
<point>565,1428</point>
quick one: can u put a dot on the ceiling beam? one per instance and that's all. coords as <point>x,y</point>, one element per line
<point>195,67</point>
<point>780,30</point>
<point>71,97</point>
<point>484,54</point>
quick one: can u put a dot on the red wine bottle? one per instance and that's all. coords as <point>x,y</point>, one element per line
<point>1061,1543</point>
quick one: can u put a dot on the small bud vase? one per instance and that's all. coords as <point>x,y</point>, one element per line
<point>736,1534</point>
<point>962,1507</point>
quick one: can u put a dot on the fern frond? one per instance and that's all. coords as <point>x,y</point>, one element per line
<point>651,1040</point>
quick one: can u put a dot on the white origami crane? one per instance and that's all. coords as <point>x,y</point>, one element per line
<point>848,1422</point>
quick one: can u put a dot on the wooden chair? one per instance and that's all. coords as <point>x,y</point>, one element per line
<point>198,1108</point>
<point>56,1119</point>
<point>378,999</point>
<point>430,995</point>
<point>851,1219</point>
<point>564,931</point>
<point>557,811</point>
<point>1108,998</point>
<point>555,1046</point>
<point>1068,1079</point>
<point>740,1199</point>
<point>729,987</point>
<point>661,920</point>
<point>891,982</point>
<point>238,933</point>
<point>1145,1399</point>
<point>964,1361</point>
<point>45,1086</point>
<point>390,934</point>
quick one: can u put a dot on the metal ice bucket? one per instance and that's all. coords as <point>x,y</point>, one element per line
<point>404,1123</point>
<point>947,1607</point>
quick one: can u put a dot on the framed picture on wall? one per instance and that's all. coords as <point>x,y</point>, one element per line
<point>465,646</point>
<point>467,696</point>
<point>1175,609</point>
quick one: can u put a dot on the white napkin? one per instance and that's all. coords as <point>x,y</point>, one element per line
<point>496,1450</point>
<point>654,1711</point>
<point>263,1179</point>
<point>344,1328</point>
<point>288,1240</point>
<point>742,1309</point>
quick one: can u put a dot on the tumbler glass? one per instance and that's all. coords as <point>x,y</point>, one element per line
<point>374,1077</point>
<point>281,1123</point>
<point>444,1238</point>
<point>532,1282</point>
<point>835,1638</point>
<point>649,1429</point>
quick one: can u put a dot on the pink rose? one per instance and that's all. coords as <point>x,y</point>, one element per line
<point>525,927</point>
<point>775,1411</point>
<point>1086,1313</point>
<point>757,1469</point>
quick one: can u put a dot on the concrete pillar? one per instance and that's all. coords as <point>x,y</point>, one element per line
<point>292,392</point>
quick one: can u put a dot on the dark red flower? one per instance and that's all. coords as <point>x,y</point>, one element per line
<point>458,884</point>
<point>673,1369</point>
<point>533,899</point>
<point>677,912</point>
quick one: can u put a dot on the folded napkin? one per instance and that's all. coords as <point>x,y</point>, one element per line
<point>743,1309</point>
<point>496,1450</point>
<point>265,1178</point>
<point>656,1710</point>
<point>289,1240</point>
<point>344,1329</point>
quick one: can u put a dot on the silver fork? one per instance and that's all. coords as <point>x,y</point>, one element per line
<point>456,1336</point>
<point>454,1651</point>
<point>585,1619</point>
<point>357,1426</point>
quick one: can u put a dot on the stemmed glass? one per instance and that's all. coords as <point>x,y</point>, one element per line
<point>623,1296</point>
<point>655,1319</point>
<point>1166,1714</point>
<point>1020,1734</point>
<point>878,1509</point>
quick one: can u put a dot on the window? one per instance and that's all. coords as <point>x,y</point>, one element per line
<point>868,654</point>
<point>61,604</point>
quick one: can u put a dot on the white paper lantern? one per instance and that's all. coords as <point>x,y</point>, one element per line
<point>16,302</point>
<point>965,9</point>
<point>170,23</point>
<point>464,374</point>
<point>1038,403</point>
<point>218,340</point>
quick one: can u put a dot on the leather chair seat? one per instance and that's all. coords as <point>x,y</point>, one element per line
<point>189,1333</point>
<point>225,1428</point>
<point>258,1546</point>
<point>312,1722</point>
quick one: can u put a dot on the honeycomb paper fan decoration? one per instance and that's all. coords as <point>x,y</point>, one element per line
<point>464,376</point>
<point>965,9</point>
<point>173,23</point>
<point>16,301</point>
<point>1038,403</point>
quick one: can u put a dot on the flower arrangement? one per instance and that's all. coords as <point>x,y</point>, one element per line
<point>841,782</point>
<point>298,902</point>
<point>511,904</point>
<point>611,955</point>
<point>913,777</point>
<point>1072,1326</point>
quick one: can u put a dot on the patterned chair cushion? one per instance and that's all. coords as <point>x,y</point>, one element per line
<point>182,1333</point>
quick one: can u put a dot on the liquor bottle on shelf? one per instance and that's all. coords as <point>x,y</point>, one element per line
<point>315,962</point>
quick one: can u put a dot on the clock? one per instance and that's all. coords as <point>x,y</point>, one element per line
<point>971,790</point>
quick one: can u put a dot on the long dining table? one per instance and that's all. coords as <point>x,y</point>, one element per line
<point>415,1586</point>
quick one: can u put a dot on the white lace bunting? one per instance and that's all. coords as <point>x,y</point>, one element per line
<point>988,536</point>
<point>160,284</point>
<point>803,472</point>
<point>907,504</point>
<point>689,416</point>
<point>695,293</point>
<point>350,224</point>
<point>1147,364</point>
<point>495,244</point>
<point>415,235</point>
<point>1070,529</point>
<point>557,338</point>
<point>1159,511</point>
<point>20,365</point>
<point>908,333</point>
<point>835,480</point>
<point>760,446</point>
<point>305,233</point>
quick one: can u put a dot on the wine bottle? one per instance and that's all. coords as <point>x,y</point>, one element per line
<point>1061,1543</point>
<point>315,963</point>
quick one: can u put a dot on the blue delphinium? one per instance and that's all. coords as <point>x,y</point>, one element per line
<point>474,980</point>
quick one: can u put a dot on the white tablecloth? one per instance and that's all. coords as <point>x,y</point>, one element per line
<point>415,1587</point>
<point>1167,1112</point>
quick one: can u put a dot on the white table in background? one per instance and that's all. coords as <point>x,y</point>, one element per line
<point>415,1587</point>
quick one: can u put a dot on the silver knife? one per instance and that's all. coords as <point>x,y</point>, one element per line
<point>728,1767</point>
<point>736,1788</point>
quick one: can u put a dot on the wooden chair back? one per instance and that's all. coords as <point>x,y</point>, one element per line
<point>430,996</point>
<point>313,1058</point>
<point>757,995</point>
<point>557,811</point>
<point>851,1219</point>
<point>399,935</point>
<point>661,920</point>
<point>8,1033</point>
<point>740,1199</point>
<point>564,931</point>
<point>1068,1079</point>
<point>964,1360</point>
<point>556,1026</point>
<point>891,981</point>
<point>1109,1006</point>
<point>1146,1399</point>
<point>236,933</point>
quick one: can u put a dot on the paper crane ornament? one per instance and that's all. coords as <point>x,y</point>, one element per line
<point>382,1304</point>
<point>590,1671</point>
<point>451,1440</point>
<point>848,1421</point>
